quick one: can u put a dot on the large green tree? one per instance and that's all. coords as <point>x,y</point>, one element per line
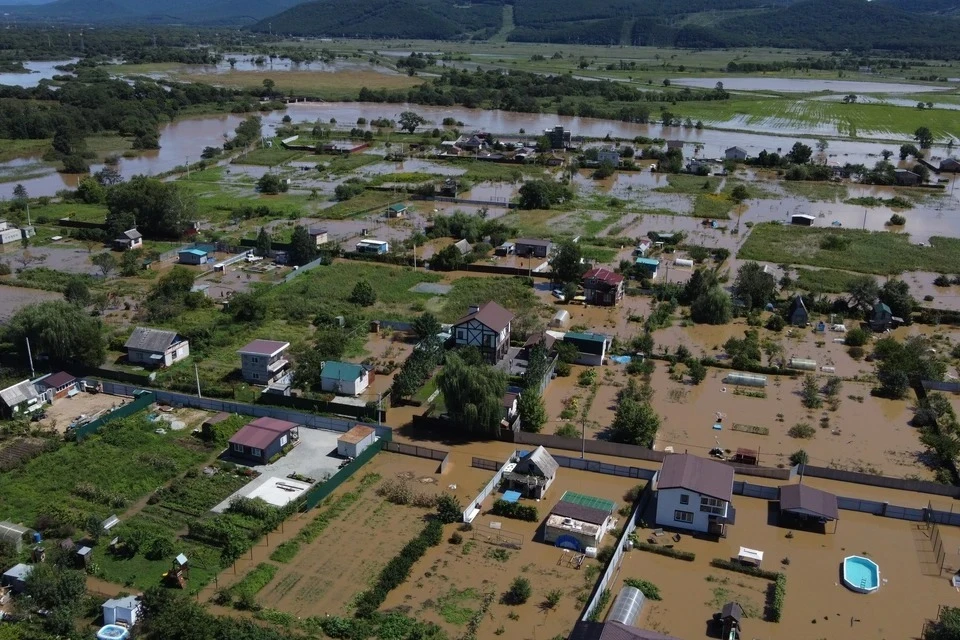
<point>566,263</point>
<point>58,330</point>
<point>896,295</point>
<point>863,291</point>
<point>473,395</point>
<point>533,415</point>
<point>754,287</point>
<point>160,209</point>
<point>634,423</point>
<point>303,248</point>
<point>711,307</point>
<point>426,326</point>
<point>264,243</point>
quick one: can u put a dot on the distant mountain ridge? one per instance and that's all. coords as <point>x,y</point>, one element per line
<point>199,12</point>
<point>924,25</point>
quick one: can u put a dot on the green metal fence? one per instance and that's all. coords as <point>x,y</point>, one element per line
<point>139,403</point>
<point>313,497</point>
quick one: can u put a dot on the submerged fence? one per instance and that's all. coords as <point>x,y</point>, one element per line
<point>481,463</point>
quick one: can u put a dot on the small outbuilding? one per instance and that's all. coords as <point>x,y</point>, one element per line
<point>58,385</point>
<point>16,577</point>
<point>122,611</point>
<point>532,247</point>
<point>805,503</point>
<point>881,318</point>
<point>354,442</point>
<point>906,178</point>
<point>397,210</point>
<point>128,240</point>
<point>802,219</point>
<point>532,474</point>
<point>560,319</point>
<point>648,267</point>
<point>738,154</point>
<point>192,256</point>
<point>730,617</point>
<point>20,398</point>
<point>156,347</point>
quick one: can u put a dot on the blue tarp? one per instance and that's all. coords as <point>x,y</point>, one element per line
<point>621,359</point>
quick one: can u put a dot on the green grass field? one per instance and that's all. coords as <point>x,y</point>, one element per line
<point>824,280</point>
<point>510,293</point>
<point>269,157</point>
<point>878,252</point>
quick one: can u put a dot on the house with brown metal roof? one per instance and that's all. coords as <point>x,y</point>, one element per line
<point>487,328</point>
<point>262,439</point>
<point>695,494</point>
<point>803,502</point>
<point>58,385</point>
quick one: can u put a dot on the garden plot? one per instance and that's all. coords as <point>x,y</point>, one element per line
<point>327,573</point>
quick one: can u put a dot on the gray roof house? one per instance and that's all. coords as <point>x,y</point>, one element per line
<point>533,473</point>
<point>806,502</point>
<point>21,397</point>
<point>129,239</point>
<point>156,347</point>
<point>735,153</point>
<point>695,494</point>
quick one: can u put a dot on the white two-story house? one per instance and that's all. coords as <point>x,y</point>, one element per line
<point>694,494</point>
<point>487,328</point>
<point>263,362</point>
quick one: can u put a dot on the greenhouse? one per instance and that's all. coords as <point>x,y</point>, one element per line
<point>803,364</point>
<point>12,534</point>
<point>746,379</point>
<point>627,607</point>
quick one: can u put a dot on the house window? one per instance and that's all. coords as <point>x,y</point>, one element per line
<point>283,440</point>
<point>683,516</point>
<point>258,453</point>
<point>712,506</point>
<point>254,360</point>
<point>684,498</point>
<point>491,341</point>
<point>237,447</point>
<point>461,334</point>
<point>255,376</point>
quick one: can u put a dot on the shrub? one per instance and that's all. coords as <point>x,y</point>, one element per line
<point>730,565</point>
<point>856,337</point>
<point>688,556</point>
<point>449,509</point>
<point>518,593</point>
<point>633,493</point>
<point>799,457</point>
<point>801,431</point>
<point>456,538</point>
<point>897,220</point>
<point>568,430</point>
<point>941,281</point>
<point>856,353</point>
<point>515,511</point>
<point>553,598</point>
<point>649,590</point>
<point>775,323</point>
<point>4,269</point>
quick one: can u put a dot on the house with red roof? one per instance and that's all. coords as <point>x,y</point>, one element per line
<point>602,287</point>
<point>262,439</point>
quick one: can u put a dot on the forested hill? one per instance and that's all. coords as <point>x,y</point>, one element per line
<point>232,12</point>
<point>925,27</point>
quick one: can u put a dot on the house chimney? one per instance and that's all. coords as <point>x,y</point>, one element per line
<point>473,309</point>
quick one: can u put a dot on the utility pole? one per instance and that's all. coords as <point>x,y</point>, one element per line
<point>583,436</point>
<point>30,356</point>
<point>196,372</point>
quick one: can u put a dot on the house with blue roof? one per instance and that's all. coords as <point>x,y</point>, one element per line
<point>344,378</point>
<point>648,267</point>
<point>193,256</point>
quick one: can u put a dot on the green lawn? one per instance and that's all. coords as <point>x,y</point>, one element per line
<point>269,156</point>
<point>825,191</point>
<point>824,280</point>
<point>511,293</point>
<point>51,213</point>
<point>366,202</point>
<point>878,252</point>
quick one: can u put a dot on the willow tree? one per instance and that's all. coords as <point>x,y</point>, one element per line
<point>473,395</point>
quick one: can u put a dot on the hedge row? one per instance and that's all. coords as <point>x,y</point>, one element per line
<point>689,556</point>
<point>779,595</point>
<point>398,569</point>
<point>515,511</point>
<point>739,567</point>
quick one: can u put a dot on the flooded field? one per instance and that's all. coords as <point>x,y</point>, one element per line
<point>12,299</point>
<point>816,603</point>
<point>805,85</point>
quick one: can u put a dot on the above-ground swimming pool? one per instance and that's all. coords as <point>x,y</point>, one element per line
<point>113,632</point>
<point>861,574</point>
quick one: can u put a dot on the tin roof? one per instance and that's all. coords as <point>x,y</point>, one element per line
<point>491,314</point>
<point>601,274</point>
<point>57,380</point>
<point>194,252</point>
<point>264,347</point>
<point>356,434</point>
<point>805,500</point>
<point>154,340</point>
<point>700,475</point>
<point>341,370</point>
<point>18,393</point>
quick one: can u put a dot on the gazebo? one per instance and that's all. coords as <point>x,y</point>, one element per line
<point>806,503</point>
<point>13,534</point>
